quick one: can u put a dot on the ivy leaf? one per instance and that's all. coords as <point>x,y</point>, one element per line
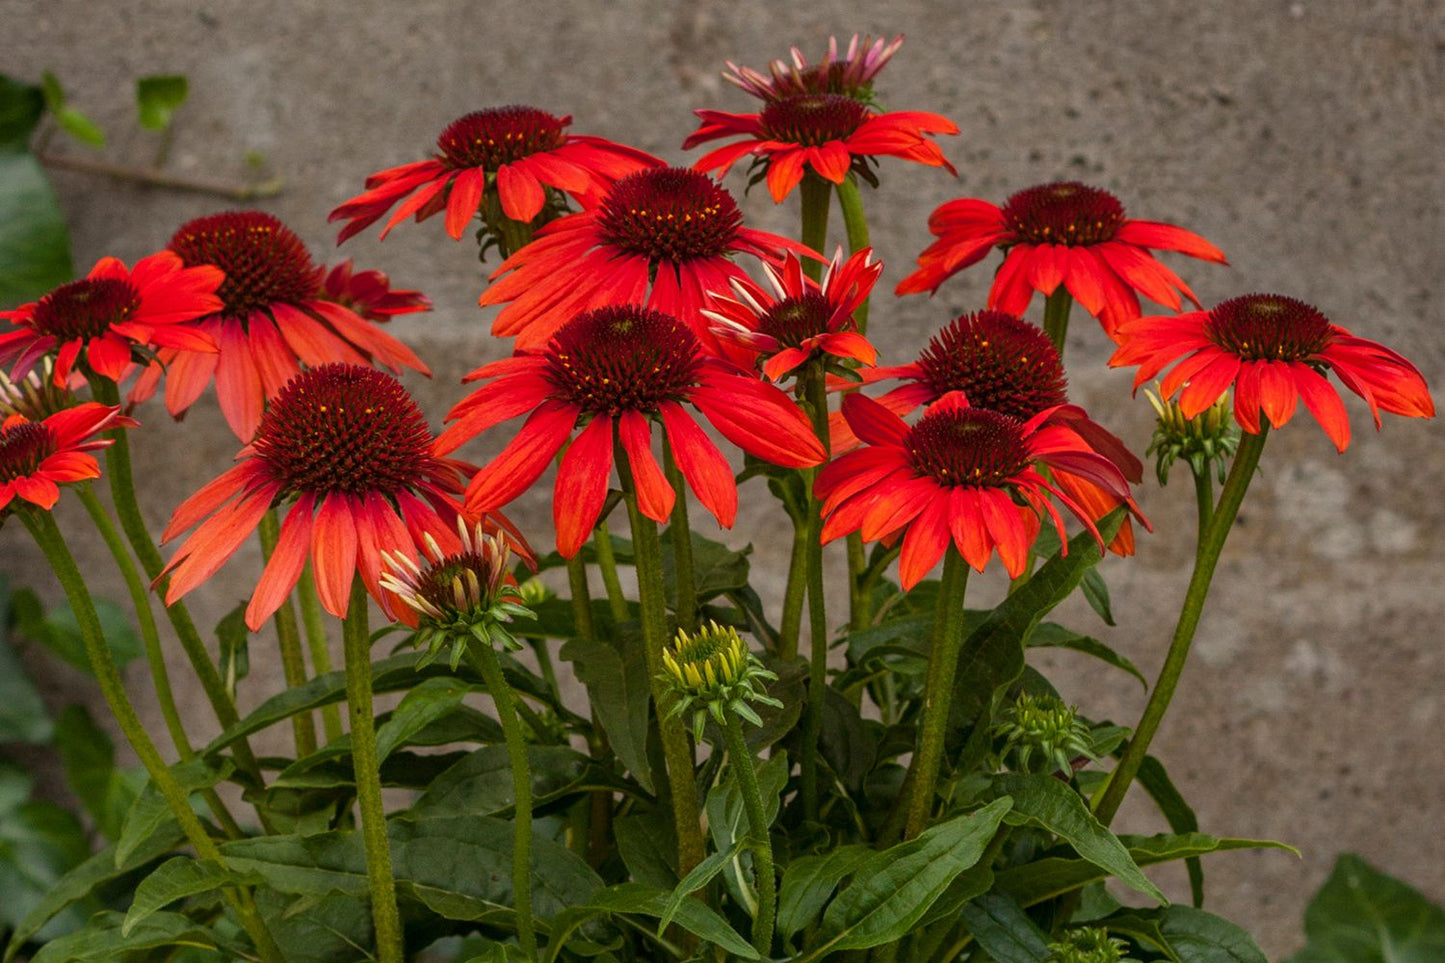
<point>1362,915</point>
<point>157,99</point>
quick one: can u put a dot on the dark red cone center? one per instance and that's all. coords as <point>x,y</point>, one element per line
<point>1066,213</point>
<point>794,320</point>
<point>812,119</point>
<point>669,214</point>
<point>999,361</point>
<point>23,446</point>
<point>86,308</point>
<point>265,262</point>
<point>1268,327</point>
<point>492,138</point>
<point>622,358</point>
<point>967,446</point>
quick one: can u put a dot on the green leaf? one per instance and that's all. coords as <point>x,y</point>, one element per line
<point>22,712</point>
<point>481,782</point>
<point>647,844</point>
<point>1042,879</point>
<point>234,640</point>
<point>891,891</point>
<point>59,631</point>
<point>692,915</point>
<point>1361,915</point>
<point>176,879</point>
<point>809,881</point>
<point>702,874</point>
<point>727,818</point>
<point>1194,936</point>
<point>89,755</point>
<point>150,811</point>
<point>1053,805</point>
<point>433,699</point>
<point>615,675</point>
<point>1003,929</point>
<point>1155,781</point>
<point>34,241</point>
<point>1096,593</point>
<point>21,107</point>
<point>320,929</point>
<point>102,940</point>
<point>716,569</point>
<point>1053,635</point>
<point>158,97</point>
<point>72,121</point>
<point>39,843</point>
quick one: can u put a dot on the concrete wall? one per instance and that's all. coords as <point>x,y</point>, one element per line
<point>1302,137</point>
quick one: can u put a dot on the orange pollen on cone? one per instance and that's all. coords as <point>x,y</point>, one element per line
<point>86,308</point>
<point>622,358</point>
<point>812,119</point>
<point>999,362</point>
<point>492,138</point>
<point>264,261</point>
<point>1066,212</point>
<point>344,428</point>
<point>1268,327</point>
<point>23,446</point>
<point>967,446</point>
<point>669,214</point>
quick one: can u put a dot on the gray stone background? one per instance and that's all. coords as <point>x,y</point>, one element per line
<point>1302,137</point>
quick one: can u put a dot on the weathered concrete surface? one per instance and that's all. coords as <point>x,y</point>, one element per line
<point>1300,136</point>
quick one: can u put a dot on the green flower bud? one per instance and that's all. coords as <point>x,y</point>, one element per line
<point>1042,734</point>
<point>1088,944</point>
<point>712,672</point>
<point>1210,436</point>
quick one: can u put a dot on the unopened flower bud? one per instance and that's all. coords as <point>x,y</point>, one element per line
<point>1210,436</point>
<point>1088,944</point>
<point>712,672</point>
<point>1041,732</point>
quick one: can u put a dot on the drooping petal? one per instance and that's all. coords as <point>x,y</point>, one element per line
<point>581,486</point>
<point>283,570</point>
<point>707,472</point>
<point>655,496</point>
<point>333,552</point>
<point>524,459</point>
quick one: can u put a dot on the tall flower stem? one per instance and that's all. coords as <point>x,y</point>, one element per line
<point>288,637</point>
<point>815,392</point>
<point>155,656</point>
<point>356,640</point>
<point>860,600</point>
<point>681,532</point>
<point>46,533</point>
<point>318,644</point>
<point>127,510</point>
<point>791,623</point>
<point>599,822</point>
<point>938,690</point>
<point>1056,317</point>
<point>484,657</point>
<point>1246,460</point>
<point>607,565</point>
<point>742,763</point>
<point>647,551</point>
<point>1204,499</point>
<point>817,195</point>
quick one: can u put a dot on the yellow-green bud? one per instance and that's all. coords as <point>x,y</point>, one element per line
<point>712,672</point>
<point>1210,436</point>
<point>1088,944</point>
<point>1042,729</point>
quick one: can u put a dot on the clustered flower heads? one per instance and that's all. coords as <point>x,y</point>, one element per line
<point>1043,726</point>
<point>713,673</point>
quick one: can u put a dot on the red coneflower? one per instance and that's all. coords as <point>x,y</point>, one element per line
<point>275,317</point>
<point>850,74</point>
<point>369,293</point>
<point>617,369</point>
<point>661,237</point>
<point>352,452</point>
<point>830,133</point>
<point>37,457</point>
<point>1274,351</point>
<point>96,323</point>
<point>955,475</point>
<point>514,152</point>
<point>1064,233</point>
<point>800,316</point>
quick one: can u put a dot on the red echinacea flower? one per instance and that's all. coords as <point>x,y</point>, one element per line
<point>369,294</point>
<point>515,153</point>
<point>37,457</point>
<point>831,133</point>
<point>660,238</point>
<point>1274,351</point>
<point>783,328</point>
<point>960,474</point>
<point>350,451</point>
<point>1064,233</point>
<point>96,323</point>
<point>850,74</point>
<point>275,316</point>
<point>618,369</point>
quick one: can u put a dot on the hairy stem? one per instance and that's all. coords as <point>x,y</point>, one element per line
<point>817,195</point>
<point>815,391</point>
<point>318,645</point>
<point>742,762</point>
<point>681,532</point>
<point>1056,317</point>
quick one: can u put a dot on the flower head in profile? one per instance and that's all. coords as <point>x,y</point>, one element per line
<point>960,475</point>
<point>369,294</point>
<point>1000,362</point>
<point>275,317</point>
<point>1208,439</point>
<point>37,457</point>
<point>1274,351</point>
<point>849,73</point>
<point>1067,234</point>
<point>660,238</point>
<point>798,318</point>
<point>712,673</point>
<point>1043,733</point>
<point>452,598</point>
<point>510,155</point>
<point>104,322</point>
<point>614,372</point>
<point>349,452</point>
<point>830,134</point>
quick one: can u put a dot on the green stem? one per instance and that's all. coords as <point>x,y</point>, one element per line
<point>681,532</point>
<point>47,535</point>
<point>1246,460</point>
<point>817,195</point>
<point>1056,317</point>
<point>647,551</point>
<point>581,598</point>
<point>356,641</point>
<point>123,497</point>
<point>607,565</point>
<point>938,690</point>
<point>1204,501</point>
<point>855,222</point>
<point>318,645</point>
<point>485,659</point>
<point>742,763</point>
<point>515,235</point>
<point>791,624</point>
<point>815,390</point>
<point>288,637</point>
